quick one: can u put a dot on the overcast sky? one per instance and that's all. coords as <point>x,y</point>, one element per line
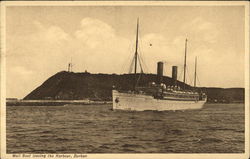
<point>42,40</point>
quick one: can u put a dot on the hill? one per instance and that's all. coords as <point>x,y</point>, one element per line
<point>68,86</point>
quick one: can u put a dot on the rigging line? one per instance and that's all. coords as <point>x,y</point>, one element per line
<point>188,76</point>
<point>125,65</point>
<point>142,64</point>
<point>197,77</point>
<point>141,55</point>
<point>131,66</point>
<point>128,59</point>
<point>139,59</point>
<point>180,75</point>
<point>198,80</point>
<point>145,67</point>
<point>132,61</point>
<point>190,79</point>
<point>140,40</point>
<point>202,89</point>
<point>137,82</point>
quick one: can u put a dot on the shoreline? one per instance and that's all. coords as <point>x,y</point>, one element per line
<point>75,102</point>
<point>53,102</point>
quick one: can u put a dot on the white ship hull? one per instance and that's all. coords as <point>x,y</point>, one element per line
<point>141,102</point>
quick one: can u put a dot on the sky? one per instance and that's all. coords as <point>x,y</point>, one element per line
<point>42,40</point>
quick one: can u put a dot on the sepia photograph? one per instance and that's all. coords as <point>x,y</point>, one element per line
<point>124,78</point>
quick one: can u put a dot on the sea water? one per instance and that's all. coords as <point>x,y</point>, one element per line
<point>217,128</point>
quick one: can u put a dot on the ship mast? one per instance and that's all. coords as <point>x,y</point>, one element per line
<point>136,51</point>
<point>195,72</point>
<point>185,59</point>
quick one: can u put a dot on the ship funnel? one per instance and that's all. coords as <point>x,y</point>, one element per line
<point>174,74</point>
<point>159,72</point>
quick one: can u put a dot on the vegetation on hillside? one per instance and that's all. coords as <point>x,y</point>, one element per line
<point>68,85</point>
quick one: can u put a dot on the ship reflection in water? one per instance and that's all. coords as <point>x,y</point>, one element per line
<point>216,128</point>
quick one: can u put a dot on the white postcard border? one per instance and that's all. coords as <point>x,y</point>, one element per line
<point>127,3</point>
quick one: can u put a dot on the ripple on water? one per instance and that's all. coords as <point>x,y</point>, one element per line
<point>97,129</point>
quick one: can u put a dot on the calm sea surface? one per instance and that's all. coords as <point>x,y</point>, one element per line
<point>97,129</point>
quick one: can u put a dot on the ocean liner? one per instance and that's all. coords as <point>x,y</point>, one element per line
<point>157,96</point>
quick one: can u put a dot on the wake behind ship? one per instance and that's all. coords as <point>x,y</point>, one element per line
<point>157,96</point>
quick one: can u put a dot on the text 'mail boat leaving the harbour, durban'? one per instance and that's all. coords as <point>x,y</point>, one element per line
<point>157,96</point>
